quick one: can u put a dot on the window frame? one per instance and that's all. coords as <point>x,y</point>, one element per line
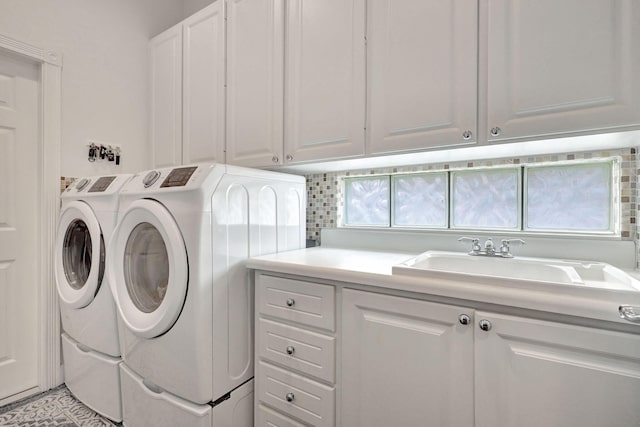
<point>615,200</point>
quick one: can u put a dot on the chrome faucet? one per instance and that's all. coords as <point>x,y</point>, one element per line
<point>489,248</point>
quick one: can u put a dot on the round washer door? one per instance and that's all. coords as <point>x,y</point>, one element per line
<point>147,268</point>
<point>79,255</point>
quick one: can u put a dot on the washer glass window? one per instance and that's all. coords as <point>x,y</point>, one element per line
<point>76,254</point>
<point>146,267</point>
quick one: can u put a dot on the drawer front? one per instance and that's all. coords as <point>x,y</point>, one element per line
<point>303,302</point>
<point>267,417</point>
<point>307,400</point>
<point>308,352</point>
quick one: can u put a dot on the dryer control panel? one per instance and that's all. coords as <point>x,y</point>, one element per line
<point>178,177</point>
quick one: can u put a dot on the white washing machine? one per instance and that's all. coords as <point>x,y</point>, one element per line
<point>90,343</point>
<point>184,297</point>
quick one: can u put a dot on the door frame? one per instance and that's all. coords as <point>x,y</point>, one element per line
<point>50,64</point>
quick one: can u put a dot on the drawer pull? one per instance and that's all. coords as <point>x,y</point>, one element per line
<point>290,397</point>
<point>290,302</point>
<point>290,350</point>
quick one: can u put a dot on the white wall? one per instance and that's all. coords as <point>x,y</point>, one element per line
<point>105,70</point>
<point>192,6</point>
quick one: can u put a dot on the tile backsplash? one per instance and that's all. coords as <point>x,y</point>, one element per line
<point>325,198</point>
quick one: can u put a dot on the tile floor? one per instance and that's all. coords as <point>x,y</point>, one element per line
<point>56,407</point>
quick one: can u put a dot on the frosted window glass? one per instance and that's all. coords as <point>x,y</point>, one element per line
<point>569,197</point>
<point>367,201</point>
<point>420,200</point>
<point>485,198</point>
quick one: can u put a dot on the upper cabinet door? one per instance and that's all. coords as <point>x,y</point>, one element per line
<point>203,86</point>
<point>165,52</point>
<point>325,73</point>
<point>560,66</point>
<point>255,93</point>
<point>422,74</point>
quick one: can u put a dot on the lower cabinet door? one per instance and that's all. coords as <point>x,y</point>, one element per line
<point>405,362</point>
<point>532,373</point>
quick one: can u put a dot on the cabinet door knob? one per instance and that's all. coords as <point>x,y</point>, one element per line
<point>464,319</point>
<point>290,302</point>
<point>290,350</point>
<point>495,131</point>
<point>275,159</point>
<point>485,325</point>
<point>289,157</point>
<point>467,134</point>
<point>289,397</point>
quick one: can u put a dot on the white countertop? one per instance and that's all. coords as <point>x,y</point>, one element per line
<point>374,268</point>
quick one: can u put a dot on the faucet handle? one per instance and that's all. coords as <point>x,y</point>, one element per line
<point>504,248</point>
<point>475,243</point>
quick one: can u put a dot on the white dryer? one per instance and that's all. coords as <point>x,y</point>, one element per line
<point>90,343</point>
<point>184,296</point>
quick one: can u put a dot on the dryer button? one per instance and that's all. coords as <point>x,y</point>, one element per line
<point>150,178</point>
<point>82,184</point>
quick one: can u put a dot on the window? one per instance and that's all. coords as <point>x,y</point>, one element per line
<point>420,200</point>
<point>556,193</point>
<point>536,198</point>
<point>367,201</point>
<point>486,198</point>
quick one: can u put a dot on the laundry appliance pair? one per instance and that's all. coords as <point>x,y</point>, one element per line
<point>183,298</point>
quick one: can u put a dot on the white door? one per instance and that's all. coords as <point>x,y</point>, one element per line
<point>255,79</point>
<point>422,74</point>
<point>19,234</point>
<point>203,86</point>
<point>557,66</point>
<point>531,373</point>
<point>325,79</point>
<point>405,362</point>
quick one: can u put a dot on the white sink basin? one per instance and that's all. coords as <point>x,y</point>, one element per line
<point>461,266</point>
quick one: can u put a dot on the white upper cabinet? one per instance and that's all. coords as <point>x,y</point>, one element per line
<point>422,74</point>
<point>203,102</point>
<point>325,79</point>
<point>255,93</point>
<point>561,66</point>
<point>165,57</point>
<point>187,90</point>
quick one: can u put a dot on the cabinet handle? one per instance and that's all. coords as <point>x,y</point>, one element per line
<point>464,319</point>
<point>495,131</point>
<point>289,397</point>
<point>467,134</point>
<point>289,157</point>
<point>290,350</point>
<point>629,313</point>
<point>290,302</point>
<point>275,159</point>
<point>485,325</point>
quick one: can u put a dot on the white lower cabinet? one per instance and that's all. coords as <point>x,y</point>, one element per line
<point>398,360</point>
<point>295,353</point>
<point>532,373</point>
<point>405,362</point>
